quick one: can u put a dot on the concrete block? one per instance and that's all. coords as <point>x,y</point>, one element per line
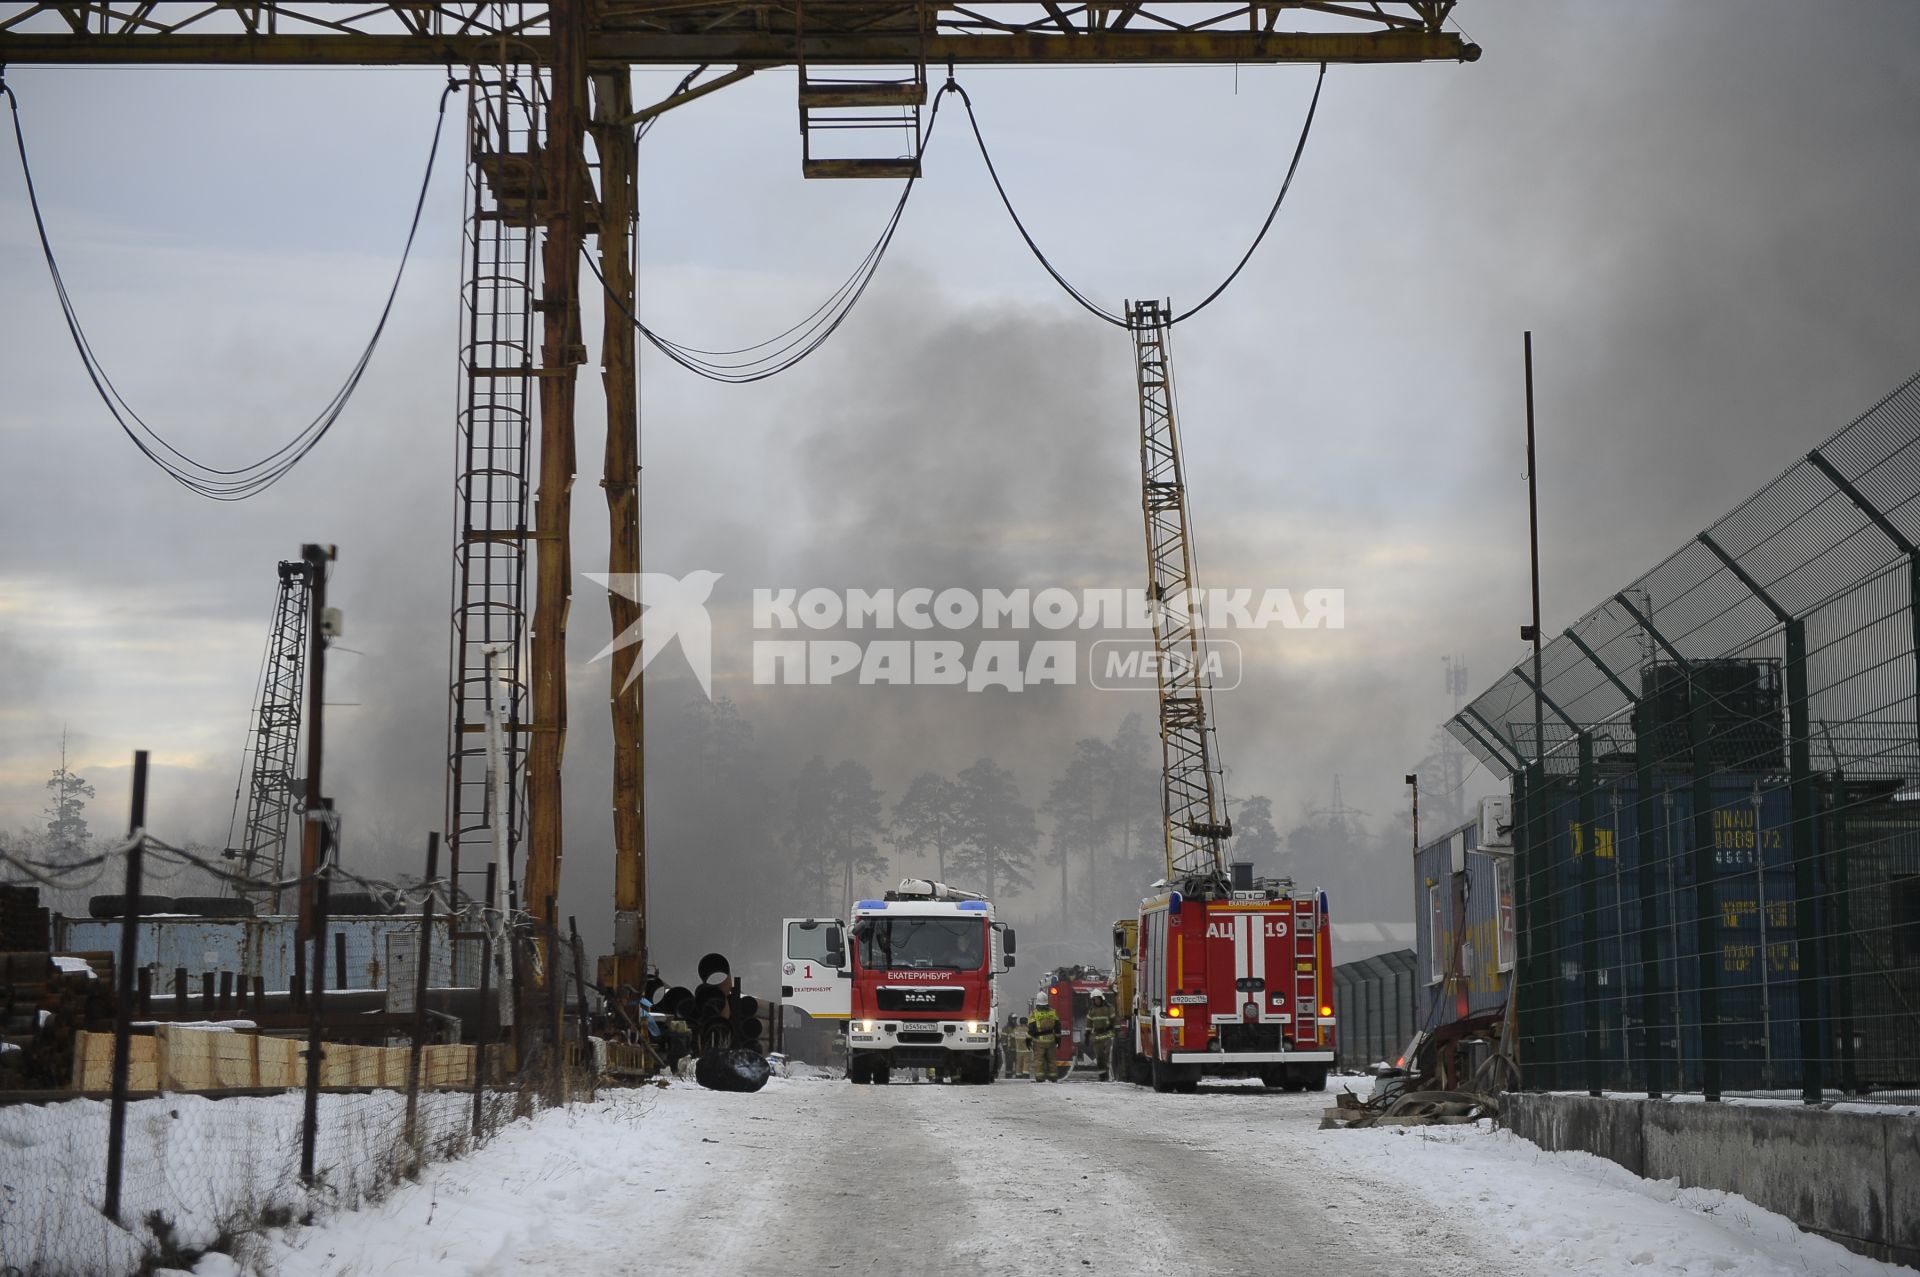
<point>1824,1171</point>
<point>1580,1123</point>
<point>1903,1190</point>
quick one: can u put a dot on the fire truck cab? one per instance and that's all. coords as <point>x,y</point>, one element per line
<point>1239,986</point>
<point>916,976</point>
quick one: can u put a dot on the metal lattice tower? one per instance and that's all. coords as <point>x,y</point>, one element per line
<point>1196,824</point>
<point>497,368</point>
<point>276,732</point>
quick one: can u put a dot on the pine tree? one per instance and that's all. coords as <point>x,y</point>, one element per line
<point>66,826</point>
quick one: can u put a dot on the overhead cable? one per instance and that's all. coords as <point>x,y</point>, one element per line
<point>213,482</point>
<point>1094,308</point>
<point>784,350</point>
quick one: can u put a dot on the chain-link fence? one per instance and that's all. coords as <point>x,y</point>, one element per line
<point>1716,782</point>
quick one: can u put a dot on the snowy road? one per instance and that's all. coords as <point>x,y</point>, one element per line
<point>817,1176</point>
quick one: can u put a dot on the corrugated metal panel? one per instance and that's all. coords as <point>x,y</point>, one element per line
<point>263,947</point>
<point>1373,1000</point>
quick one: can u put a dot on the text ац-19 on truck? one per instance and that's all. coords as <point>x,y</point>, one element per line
<point>915,975</point>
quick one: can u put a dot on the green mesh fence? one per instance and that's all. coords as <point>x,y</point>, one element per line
<point>1716,804</point>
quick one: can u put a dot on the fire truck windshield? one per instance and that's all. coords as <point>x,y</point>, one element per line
<point>948,944</point>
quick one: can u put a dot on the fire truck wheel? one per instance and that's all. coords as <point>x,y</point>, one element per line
<point>1273,1077</point>
<point>1161,1075</point>
<point>1310,1080</point>
<point>857,1071</point>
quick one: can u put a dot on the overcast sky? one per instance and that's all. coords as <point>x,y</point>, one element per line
<point>1704,210</point>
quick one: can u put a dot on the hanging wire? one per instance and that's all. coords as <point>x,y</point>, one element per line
<point>784,350</point>
<point>213,482</point>
<point>1094,308</point>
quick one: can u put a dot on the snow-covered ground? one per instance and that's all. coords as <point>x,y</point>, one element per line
<point>202,1166</point>
<point>813,1175</point>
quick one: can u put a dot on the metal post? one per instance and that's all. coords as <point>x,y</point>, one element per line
<point>123,979</point>
<point>339,959</point>
<point>317,557</point>
<point>1649,883</point>
<point>1839,863</point>
<point>1706,908</point>
<point>420,986</point>
<point>488,1014</point>
<point>1805,849</point>
<point>316,1024</point>
<point>1590,917</point>
<point>1533,539</point>
<point>1524,994</point>
<point>580,988</point>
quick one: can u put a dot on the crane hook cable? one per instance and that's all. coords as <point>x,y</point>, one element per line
<point>208,481</point>
<point>1095,309</point>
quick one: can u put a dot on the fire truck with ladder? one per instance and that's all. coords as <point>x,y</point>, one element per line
<point>915,975</point>
<point>1220,974</point>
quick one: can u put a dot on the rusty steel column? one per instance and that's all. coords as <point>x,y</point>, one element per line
<point>614,142</point>
<point>561,354</point>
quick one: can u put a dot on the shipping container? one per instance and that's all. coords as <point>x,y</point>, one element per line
<point>263,947</point>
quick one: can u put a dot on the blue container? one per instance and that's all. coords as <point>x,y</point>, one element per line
<point>1487,947</point>
<point>1584,879</point>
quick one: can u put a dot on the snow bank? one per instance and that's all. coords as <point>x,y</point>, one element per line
<point>197,1171</point>
<point>1577,1213</point>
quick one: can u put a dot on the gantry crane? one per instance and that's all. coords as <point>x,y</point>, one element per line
<point>545,78</point>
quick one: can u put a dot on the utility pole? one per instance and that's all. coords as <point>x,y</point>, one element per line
<point>316,557</point>
<point>1413,780</point>
<point>1533,537</point>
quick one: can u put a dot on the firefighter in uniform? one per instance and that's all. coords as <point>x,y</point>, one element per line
<point>1100,1033</point>
<point>1010,1038</point>
<point>1043,1036</point>
<point>1022,1049</point>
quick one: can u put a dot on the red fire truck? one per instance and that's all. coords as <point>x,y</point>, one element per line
<point>1070,993</point>
<point>916,976</point>
<point>1239,985</point>
<point>1224,974</point>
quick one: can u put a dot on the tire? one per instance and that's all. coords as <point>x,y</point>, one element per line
<point>1159,1074</point>
<point>1312,1080</point>
<point>214,906</point>
<point>881,1073</point>
<point>116,906</point>
<point>857,1071</point>
<point>1273,1076</point>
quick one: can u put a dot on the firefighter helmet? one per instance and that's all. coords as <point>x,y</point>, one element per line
<point>1040,999</point>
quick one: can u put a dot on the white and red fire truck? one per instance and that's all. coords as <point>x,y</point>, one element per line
<point>1223,974</point>
<point>1238,985</point>
<point>915,975</point>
